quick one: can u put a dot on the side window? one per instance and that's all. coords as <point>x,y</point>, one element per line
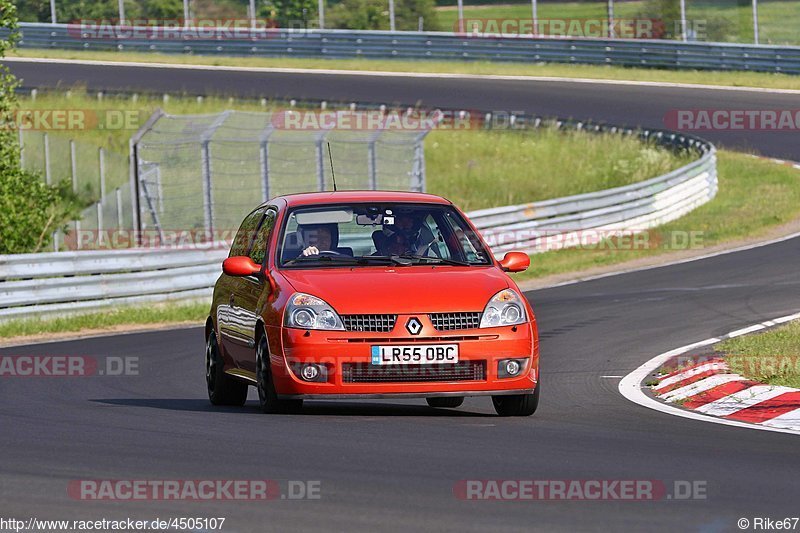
<point>259,250</point>
<point>246,233</point>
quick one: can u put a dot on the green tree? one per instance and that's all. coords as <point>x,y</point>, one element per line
<point>29,209</point>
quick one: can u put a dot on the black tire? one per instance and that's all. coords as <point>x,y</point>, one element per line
<point>222,388</point>
<point>445,401</point>
<point>267,396</point>
<point>517,404</point>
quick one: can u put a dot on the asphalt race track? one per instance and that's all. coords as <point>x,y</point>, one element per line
<point>393,465</point>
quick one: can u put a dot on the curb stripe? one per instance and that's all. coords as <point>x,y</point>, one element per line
<point>743,399</point>
<point>769,409</point>
<point>718,393</point>
<point>701,386</point>
<point>691,372</point>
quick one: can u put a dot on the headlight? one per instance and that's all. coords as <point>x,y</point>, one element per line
<point>506,308</point>
<point>309,312</point>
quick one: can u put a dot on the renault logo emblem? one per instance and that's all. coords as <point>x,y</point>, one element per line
<point>414,326</point>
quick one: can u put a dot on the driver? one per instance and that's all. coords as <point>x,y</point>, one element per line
<point>404,235</point>
<point>318,238</point>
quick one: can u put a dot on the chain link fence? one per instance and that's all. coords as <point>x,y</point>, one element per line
<point>207,171</point>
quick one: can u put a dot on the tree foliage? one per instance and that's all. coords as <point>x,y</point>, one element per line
<point>30,210</point>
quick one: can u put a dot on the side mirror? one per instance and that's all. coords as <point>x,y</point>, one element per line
<point>240,265</point>
<point>515,262</point>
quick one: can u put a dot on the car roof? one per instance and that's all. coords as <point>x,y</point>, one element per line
<point>330,197</point>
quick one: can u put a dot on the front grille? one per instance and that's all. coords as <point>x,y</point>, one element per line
<point>376,323</point>
<point>368,373</point>
<point>451,321</point>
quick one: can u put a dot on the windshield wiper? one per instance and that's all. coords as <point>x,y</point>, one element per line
<point>442,260</point>
<point>323,258</point>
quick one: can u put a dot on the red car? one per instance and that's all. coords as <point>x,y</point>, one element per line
<point>366,294</point>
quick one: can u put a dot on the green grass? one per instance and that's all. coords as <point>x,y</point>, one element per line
<point>729,79</point>
<point>154,315</point>
<point>772,357</point>
<point>725,20</point>
<point>754,196</point>
<point>481,169</point>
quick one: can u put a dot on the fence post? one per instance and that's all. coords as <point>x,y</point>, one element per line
<point>208,209</point>
<point>684,33</point>
<point>102,159</point>
<point>321,9</point>
<point>535,13</point>
<point>755,21</point>
<point>74,164</point>
<point>47,176</point>
<point>78,234</point>
<point>118,195</point>
<point>53,18</point>
<point>372,170</point>
<point>391,16</point>
<point>264,152</point>
<point>99,206</point>
<point>611,33</point>
<point>320,164</point>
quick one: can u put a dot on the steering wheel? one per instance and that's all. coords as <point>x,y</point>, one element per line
<point>331,253</point>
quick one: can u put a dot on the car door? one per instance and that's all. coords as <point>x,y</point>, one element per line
<point>252,293</point>
<point>230,319</point>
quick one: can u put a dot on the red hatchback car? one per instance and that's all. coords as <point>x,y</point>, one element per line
<point>366,294</point>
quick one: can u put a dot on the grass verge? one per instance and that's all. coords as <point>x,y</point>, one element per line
<point>728,79</point>
<point>772,357</point>
<point>108,320</point>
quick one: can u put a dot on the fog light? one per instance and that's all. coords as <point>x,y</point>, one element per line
<point>310,372</point>
<point>510,368</point>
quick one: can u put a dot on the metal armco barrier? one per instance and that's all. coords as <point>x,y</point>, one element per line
<point>33,285</point>
<point>416,45</point>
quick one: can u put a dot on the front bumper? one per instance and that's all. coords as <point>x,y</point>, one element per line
<point>335,349</point>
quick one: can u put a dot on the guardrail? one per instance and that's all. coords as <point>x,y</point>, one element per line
<point>34,285</point>
<point>417,45</point>
<point>587,218</point>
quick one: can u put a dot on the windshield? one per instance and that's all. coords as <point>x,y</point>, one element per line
<point>373,234</point>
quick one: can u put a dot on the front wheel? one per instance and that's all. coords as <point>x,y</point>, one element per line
<point>222,389</point>
<point>267,397</point>
<point>517,404</point>
<point>447,401</point>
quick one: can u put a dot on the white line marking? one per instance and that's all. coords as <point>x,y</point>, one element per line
<point>742,400</point>
<point>612,377</point>
<point>686,374</point>
<point>399,74</point>
<point>743,331</point>
<point>790,420</point>
<point>630,388</point>
<point>697,387</point>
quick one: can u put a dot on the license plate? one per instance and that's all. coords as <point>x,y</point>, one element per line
<point>419,354</point>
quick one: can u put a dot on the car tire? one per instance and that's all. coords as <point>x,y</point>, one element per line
<point>222,388</point>
<point>267,396</point>
<point>445,401</point>
<point>517,404</point>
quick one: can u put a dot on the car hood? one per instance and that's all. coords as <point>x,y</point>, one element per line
<point>402,290</point>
